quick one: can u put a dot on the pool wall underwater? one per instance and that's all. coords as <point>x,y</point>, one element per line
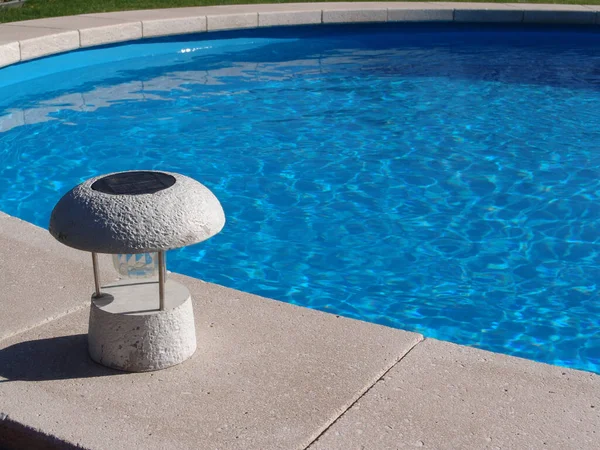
<point>35,39</point>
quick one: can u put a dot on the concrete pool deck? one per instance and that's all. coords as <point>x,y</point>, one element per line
<point>266,374</point>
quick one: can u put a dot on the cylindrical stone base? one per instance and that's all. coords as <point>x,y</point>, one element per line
<point>128,331</point>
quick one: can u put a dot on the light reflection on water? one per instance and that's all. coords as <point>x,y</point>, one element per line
<point>442,180</point>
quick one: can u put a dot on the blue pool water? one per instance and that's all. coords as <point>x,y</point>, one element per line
<point>438,179</point>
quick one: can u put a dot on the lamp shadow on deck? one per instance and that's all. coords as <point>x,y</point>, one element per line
<point>56,358</point>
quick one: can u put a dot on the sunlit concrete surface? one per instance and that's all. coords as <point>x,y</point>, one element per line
<point>266,375</point>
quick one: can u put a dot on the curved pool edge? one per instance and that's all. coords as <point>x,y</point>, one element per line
<point>31,39</point>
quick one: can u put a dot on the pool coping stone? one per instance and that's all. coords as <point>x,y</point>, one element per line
<point>22,41</point>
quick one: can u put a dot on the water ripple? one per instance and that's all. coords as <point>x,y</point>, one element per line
<point>443,180</point>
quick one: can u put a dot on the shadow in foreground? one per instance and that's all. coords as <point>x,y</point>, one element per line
<point>57,358</point>
<point>15,436</point>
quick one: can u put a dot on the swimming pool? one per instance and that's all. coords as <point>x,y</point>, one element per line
<point>442,179</point>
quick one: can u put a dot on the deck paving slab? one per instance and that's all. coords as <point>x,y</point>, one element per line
<point>72,22</point>
<point>40,278</point>
<point>266,374</point>
<point>446,396</point>
<point>354,15</point>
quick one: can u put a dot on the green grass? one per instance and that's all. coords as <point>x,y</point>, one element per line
<point>35,9</point>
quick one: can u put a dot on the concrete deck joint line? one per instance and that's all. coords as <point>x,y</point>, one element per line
<point>365,391</point>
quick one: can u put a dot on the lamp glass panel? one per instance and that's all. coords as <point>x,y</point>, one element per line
<point>139,265</point>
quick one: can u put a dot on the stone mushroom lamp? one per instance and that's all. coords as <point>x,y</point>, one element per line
<point>144,321</point>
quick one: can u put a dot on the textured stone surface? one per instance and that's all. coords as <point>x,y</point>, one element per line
<point>352,15</point>
<point>72,22</point>
<point>179,25</point>
<point>183,214</point>
<point>109,34</point>
<point>445,396</point>
<point>420,15</point>
<point>9,53</point>
<point>231,21</point>
<point>128,332</point>
<point>48,45</point>
<point>270,19</point>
